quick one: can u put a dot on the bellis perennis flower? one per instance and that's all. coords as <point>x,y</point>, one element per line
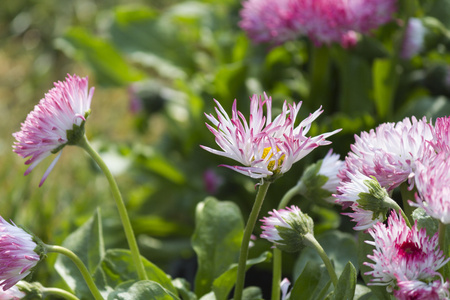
<point>286,228</point>
<point>18,254</point>
<point>403,252</point>
<point>419,290</point>
<point>57,120</point>
<point>265,147</point>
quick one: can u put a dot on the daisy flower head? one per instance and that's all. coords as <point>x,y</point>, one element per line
<point>402,252</point>
<point>433,186</point>
<point>369,201</point>
<point>419,290</point>
<point>441,139</point>
<point>390,151</point>
<point>266,147</point>
<point>267,21</point>
<point>286,228</point>
<point>58,120</point>
<point>320,179</point>
<point>19,254</point>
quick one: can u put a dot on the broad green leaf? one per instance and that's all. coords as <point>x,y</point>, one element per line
<point>365,249</point>
<point>110,67</point>
<point>184,289</point>
<point>384,85</point>
<point>87,243</point>
<point>312,284</point>
<point>141,290</point>
<point>225,282</point>
<point>117,267</point>
<point>362,292</point>
<point>216,240</point>
<point>346,283</point>
<point>340,247</point>
<point>252,293</point>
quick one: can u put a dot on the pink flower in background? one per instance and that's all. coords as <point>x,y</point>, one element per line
<point>403,252</point>
<point>390,151</point>
<point>12,293</point>
<point>45,130</point>
<point>419,290</point>
<point>324,21</point>
<point>17,254</point>
<point>414,38</point>
<point>433,186</point>
<point>269,21</point>
<point>264,147</point>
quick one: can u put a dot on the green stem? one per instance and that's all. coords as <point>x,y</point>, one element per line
<point>77,261</point>
<point>240,279</point>
<point>84,143</point>
<point>407,195</point>
<point>392,204</point>
<point>315,244</point>
<point>58,292</point>
<point>277,254</point>
<point>320,76</point>
<point>442,244</point>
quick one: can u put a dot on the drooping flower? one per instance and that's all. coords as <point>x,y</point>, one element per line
<point>414,38</point>
<point>12,293</point>
<point>19,254</point>
<point>419,290</point>
<point>433,186</point>
<point>266,148</point>
<point>58,120</point>
<point>319,180</point>
<point>369,201</point>
<point>284,287</point>
<point>389,152</point>
<point>286,228</point>
<point>403,252</point>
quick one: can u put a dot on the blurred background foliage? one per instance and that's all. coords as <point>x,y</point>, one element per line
<point>157,66</point>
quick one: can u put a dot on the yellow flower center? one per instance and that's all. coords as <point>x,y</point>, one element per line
<point>271,164</point>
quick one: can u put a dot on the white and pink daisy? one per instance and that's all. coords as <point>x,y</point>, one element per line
<point>419,290</point>
<point>57,120</point>
<point>367,199</point>
<point>17,254</point>
<point>286,228</point>
<point>12,293</point>
<point>441,140</point>
<point>403,252</point>
<point>389,152</point>
<point>329,168</point>
<point>266,148</point>
<point>433,186</point>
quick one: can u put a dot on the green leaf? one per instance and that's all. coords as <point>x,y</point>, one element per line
<point>346,284</point>
<point>225,282</point>
<point>87,243</point>
<point>252,293</point>
<point>141,290</point>
<point>362,292</point>
<point>216,240</point>
<point>383,86</point>
<point>312,283</point>
<point>109,66</point>
<point>184,289</point>
<point>117,266</point>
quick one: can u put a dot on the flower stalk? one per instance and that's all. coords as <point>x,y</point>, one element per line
<point>84,143</point>
<point>240,279</point>
<point>80,265</point>
<point>59,292</point>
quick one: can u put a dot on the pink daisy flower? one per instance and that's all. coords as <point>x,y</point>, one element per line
<point>286,228</point>
<point>389,152</point>
<point>403,252</point>
<point>267,148</point>
<point>419,290</point>
<point>441,139</point>
<point>12,293</point>
<point>56,121</point>
<point>433,186</point>
<point>17,254</point>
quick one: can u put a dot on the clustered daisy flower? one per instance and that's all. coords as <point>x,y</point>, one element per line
<point>265,147</point>
<point>403,254</point>
<point>19,254</point>
<point>58,120</point>
<point>324,21</point>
